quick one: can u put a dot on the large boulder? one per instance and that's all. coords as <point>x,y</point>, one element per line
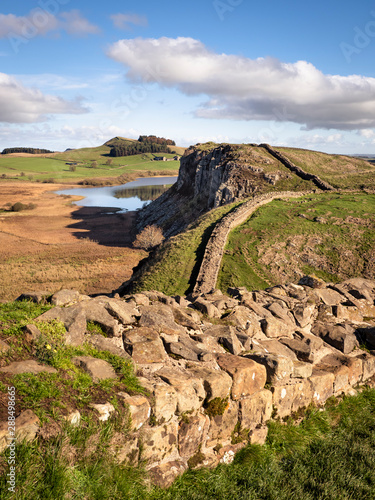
<point>248,376</point>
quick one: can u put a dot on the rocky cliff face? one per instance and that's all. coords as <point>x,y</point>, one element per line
<point>208,178</point>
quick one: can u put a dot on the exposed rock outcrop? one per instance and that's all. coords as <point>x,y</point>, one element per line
<point>207,373</point>
<point>209,177</point>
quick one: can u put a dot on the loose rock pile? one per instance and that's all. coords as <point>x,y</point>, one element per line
<point>218,367</point>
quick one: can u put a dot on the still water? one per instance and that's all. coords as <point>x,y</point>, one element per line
<point>130,196</point>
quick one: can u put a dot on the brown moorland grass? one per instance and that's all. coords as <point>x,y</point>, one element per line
<point>59,245</point>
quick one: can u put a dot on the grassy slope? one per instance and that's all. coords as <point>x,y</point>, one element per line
<point>276,244</point>
<point>40,168</point>
<point>340,171</point>
<point>175,266</point>
<point>330,455</point>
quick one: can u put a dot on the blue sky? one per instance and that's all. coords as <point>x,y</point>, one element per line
<point>76,73</point>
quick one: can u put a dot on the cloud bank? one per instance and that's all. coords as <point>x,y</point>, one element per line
<point>20,104</point>
<point>40,22</point>
<point>240,88</point>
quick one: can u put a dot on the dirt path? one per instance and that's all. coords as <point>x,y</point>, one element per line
<point>58,245</point>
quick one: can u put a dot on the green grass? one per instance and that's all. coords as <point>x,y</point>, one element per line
<point>43,169</point>
<point>343,172</point>
<point>330,456</point>
<point>176,264</point>
<point>47,393</point>
<point>276,244</point>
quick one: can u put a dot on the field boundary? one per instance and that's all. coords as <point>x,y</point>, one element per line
<point>211,262</point>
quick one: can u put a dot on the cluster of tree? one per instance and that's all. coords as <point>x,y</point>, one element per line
<point>156,140</point>
<point>135,148</point>
<point>33,151</point>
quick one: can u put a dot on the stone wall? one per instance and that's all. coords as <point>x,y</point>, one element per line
<point>219,367</point>
<point>325,186</point>
<point>211,262</point>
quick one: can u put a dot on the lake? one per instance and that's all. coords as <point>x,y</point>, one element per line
<point>127,197</point>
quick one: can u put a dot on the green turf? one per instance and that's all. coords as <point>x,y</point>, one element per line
<point>57,168</point>
<point>334,239</point>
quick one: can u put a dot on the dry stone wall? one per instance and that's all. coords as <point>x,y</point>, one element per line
<point>325,186</point>
<point>210,266</point>
<point>217,367</point>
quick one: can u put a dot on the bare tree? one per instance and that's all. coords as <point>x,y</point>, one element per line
<point>149,237</point>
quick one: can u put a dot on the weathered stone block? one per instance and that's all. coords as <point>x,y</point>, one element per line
<point>245,318</point>
<point>216,383</point>
<point>256,409</point>
<point>289,398</point>
<point>144,345</point>
<point>190,391</point>
<point>345,313</point>
<point>258,435</point>
<point>301,369</point>
<point>207,308</point>
<point>278,367</point>
<point>163,475</point>
<point>28,366</point>
<point>64,297</point>
<point>222,426</point>
<point>248,376</point>
<point>274,347</point>
<point>301,349</point>
<point>330,297</point>
<point>98,369</point>
<point>322,385</point>
<point>192,434</point>
<point>159,317</point>
<point>165,405</point>
<point>139,409</point>
<point>274,328</point>
<point>160,443</point>
<point>226,336</point>
<point>336,335</point>
<point>282,313</point>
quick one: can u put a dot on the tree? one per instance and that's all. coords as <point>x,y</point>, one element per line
<point>149,237</point>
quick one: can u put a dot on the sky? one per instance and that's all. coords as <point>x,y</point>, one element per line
<point>74,73</point>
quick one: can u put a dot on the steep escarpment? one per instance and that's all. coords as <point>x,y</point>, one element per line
<point>214,175</point>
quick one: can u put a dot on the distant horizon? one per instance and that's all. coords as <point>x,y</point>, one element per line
<point>366,155</point>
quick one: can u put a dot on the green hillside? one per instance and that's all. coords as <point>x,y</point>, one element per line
<point>85,163</point>
<point>330,235</point>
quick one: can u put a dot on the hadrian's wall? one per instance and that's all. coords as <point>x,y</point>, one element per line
<point>217,367</point>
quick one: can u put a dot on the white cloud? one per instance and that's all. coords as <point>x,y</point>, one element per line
<point>75,24</point>
<point>40,22</point>
<point>240,88</point>
<point>37,21</point>
<point>45,135</point>
<point>20,104</point>
<point>125,21</point>
<point>367,133</point>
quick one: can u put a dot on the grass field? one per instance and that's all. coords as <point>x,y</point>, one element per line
<point>331,235</point>
<point>56,169</point>
<point>330,455</point>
